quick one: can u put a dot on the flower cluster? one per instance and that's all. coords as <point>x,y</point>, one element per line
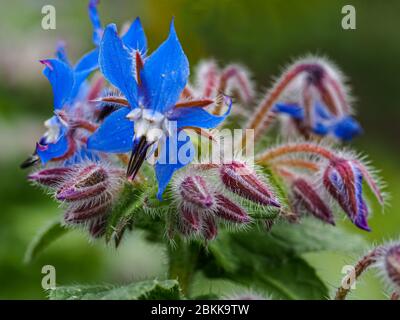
<point>121,110</point>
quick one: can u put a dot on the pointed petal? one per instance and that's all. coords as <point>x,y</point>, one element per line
<point>95,20</point>
<point>177,152</point>
<point>292,109</point>
<point>135,38</point>
<point>52,150</point>
<point>165,74</point>
<point>196,117</point>
<point>117,65</point>
<point>114,135</point>
<point>347,128</point>
<point>61,78</point>
<point>61,53</point>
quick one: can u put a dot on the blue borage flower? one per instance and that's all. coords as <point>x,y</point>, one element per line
<point>67,82</point>
<point>324,122</point>
<point>152,87</point>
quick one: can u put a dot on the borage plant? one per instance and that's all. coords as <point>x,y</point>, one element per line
<point>136,146</point>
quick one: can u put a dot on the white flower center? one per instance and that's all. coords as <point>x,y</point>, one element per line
<point>149,124</point>
<point>53,130</point>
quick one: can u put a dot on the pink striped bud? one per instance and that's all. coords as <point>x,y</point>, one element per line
<point>210,228</point>
<point>343,180</point>
<point>97,228</point>
<point>87,211</point>
<point>228,210</point>
<point>242,180</point>
<point>190,220</point>
<point>91,181</point>
<point>392,265</point>
<point>307,197</point>
<point>194,191</point>
<point>50,177</point>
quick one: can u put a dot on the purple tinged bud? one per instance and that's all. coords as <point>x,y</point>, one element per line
<point>194,190</point>
<point>230,211</point>
<point>392,265</point>
<point>210,229</point>
<point>240,179</point>
<point>308,197</point>
<point>190,220</point>
<point>97,228</point>
<point>91,181</point>
<point>343,180</point>
<point>50,177</point>
<point>86,212</point>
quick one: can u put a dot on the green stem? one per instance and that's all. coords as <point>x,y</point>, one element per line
<point>182,263</point>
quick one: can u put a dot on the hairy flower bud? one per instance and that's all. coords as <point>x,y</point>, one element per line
<point>210,228</point>
<point>190,220</point>
<point>97,228</point>
<point>343,180</point>
<point>50,177</point>
<point>392,265</point>
<point>87,211</point>
<point>194,191</point>
<point>306,196</point>
<point>240,179</point>
<point>230,211</point>
<point>90,181</point>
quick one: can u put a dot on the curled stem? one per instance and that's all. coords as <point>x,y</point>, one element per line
<point>362,265</point>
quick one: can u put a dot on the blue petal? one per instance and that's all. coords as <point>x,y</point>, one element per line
<point>135,38</point>
<point>114,135</point>
<point>347,128</point>
<point>86,65</point>
<point>61,78</point>
<point>165,74</point>
<point>53,150</point>
<point>320,129</point>
<point>61,53</point>
<point>360,218</point>
<point>117,65</point>
<point>292,109</point>
<point>95,19</point>
<point>178,151</point>
<point>196,117</point>
<point>322,112</point>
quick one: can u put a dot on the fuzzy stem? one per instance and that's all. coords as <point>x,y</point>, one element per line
<point>297,163</point>
<point>182,263</point>
<point>362,265</point>
<point>296,148</point>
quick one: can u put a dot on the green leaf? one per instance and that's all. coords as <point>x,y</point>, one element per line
<point>144,290</point>
<point>251,259</point>
<point>48,235</point>
<point>272,262</point>
<point>311,235</point>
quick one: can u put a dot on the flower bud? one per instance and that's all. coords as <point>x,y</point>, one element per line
<point>230,211</point>
<point>392,265</point>
<point>240,179</point>
<point>306,196</point>
<point>97,228</point>
<point>90,181</point>
<point>86,212</point>
<point>343,180</point>
<point>210,229</point>
<point>194,191</point>
<point>50,177</point>
<point>190,220</point>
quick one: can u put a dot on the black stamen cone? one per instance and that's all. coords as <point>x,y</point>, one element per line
<point>137,158</point>
<point>29,162</point>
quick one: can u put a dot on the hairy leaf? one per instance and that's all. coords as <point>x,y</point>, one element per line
<point>144,290</point>
<point>48,235</point>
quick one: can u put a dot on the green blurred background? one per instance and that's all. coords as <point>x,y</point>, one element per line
<point>264,35</point>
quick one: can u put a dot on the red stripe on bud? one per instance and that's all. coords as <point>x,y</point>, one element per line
<point>210,229</point>
<point>239,178</point>
<point>392,265</point>
<point>309,198</point>
<point>194,190</point>
<point>230,211</point>
<point>50,177</point>
<point>86,212</point>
